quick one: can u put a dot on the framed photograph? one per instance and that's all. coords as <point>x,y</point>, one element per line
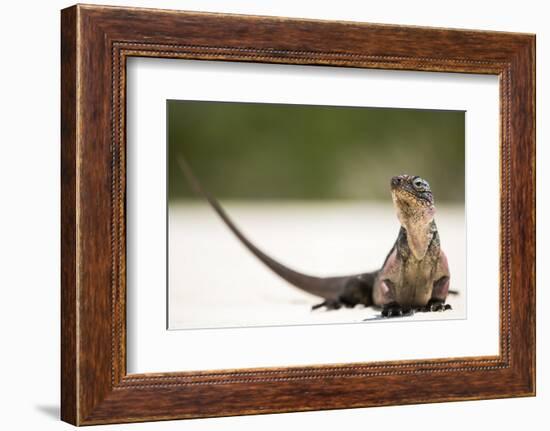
<point>306,183</point>
<point>264,214</point>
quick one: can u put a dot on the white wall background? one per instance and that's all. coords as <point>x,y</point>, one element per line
<point>29,213</point>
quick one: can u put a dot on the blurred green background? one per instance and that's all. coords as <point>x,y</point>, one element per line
<point>270,151</point>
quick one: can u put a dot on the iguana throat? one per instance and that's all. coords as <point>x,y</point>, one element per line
<point>414,205</point>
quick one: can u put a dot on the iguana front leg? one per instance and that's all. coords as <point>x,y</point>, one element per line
<point>384,292</point>
<point>437,301</point>
<point>390,307</point>
<point>440,287</point>
<point>384,288</point>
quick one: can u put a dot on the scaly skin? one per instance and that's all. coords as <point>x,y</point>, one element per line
<point>415,274</point>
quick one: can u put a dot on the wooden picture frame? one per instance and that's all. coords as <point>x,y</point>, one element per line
<point>95,43</point>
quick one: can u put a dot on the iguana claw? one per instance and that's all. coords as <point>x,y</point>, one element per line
<point>393,309</point>
<point>435,305</point>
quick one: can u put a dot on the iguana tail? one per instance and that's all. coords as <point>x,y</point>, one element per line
<point>328,288</point>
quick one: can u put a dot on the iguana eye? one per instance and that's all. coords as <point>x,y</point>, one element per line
<point>420,184</point>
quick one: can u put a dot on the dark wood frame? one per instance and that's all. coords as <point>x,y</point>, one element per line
<point>95,43</point>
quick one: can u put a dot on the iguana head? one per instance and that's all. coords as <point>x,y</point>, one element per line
<point>411,191</point>
<point>415,208</point>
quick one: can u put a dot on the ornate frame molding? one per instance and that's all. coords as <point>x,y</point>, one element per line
<point>96,41</point>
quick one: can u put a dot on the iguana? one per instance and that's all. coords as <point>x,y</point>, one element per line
<point>415,274</point>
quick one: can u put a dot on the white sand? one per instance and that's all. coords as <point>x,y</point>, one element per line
<point>215,282</point>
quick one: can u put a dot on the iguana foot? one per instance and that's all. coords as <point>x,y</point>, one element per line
<point>335,304</point>
<point>329,304</point>
<point>393,309</point>
<point>435,305</point>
